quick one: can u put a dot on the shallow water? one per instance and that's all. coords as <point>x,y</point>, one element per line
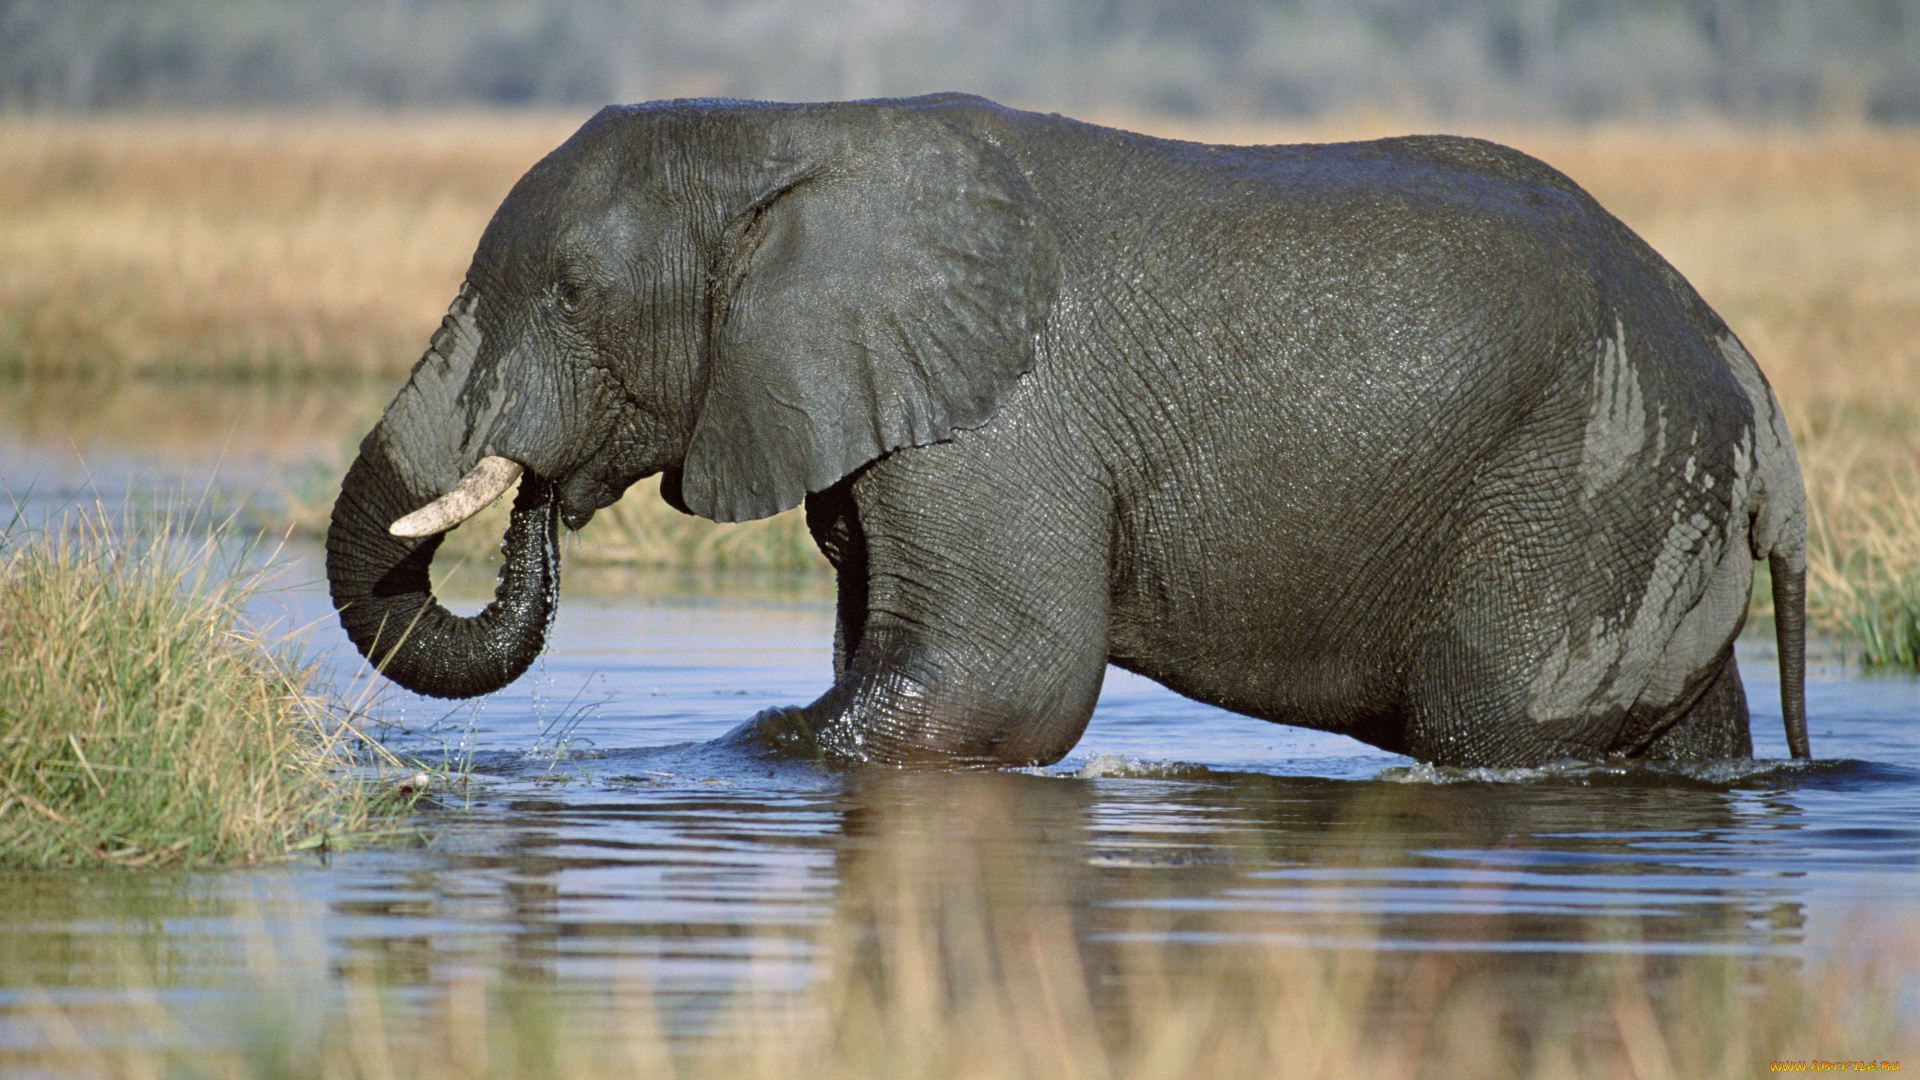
<point>598,761</point>
<point>604,836</point>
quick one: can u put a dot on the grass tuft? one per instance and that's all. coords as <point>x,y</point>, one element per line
<point>1863,542</point>
<point>143,723</point>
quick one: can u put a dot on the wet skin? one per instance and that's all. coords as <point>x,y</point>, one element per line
<point>1408,440</point>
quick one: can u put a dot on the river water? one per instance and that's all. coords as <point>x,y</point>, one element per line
<point>603,835</point>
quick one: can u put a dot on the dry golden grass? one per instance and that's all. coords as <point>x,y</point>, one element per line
<point>311,247</point>
<point>332,245</point>
<point>1807,244</point>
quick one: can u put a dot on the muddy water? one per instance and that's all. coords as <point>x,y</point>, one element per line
<point>606,835</point>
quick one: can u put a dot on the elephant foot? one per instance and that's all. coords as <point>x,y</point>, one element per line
<point>782,731</point>
<point>789,732</point>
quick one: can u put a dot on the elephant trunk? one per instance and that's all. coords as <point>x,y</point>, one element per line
<point>385,599</point>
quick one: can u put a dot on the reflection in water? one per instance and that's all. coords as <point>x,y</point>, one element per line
<point>695,866</point>
<point>694,871</point>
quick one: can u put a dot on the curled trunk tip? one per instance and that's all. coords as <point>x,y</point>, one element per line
<point>384,595</point>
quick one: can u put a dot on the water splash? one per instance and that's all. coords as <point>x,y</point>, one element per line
<point>1733,772</point>
<point>1119,766</point>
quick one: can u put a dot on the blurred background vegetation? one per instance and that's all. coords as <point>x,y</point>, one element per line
<point>1805,61</point>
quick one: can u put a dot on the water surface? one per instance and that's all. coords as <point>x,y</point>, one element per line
<point>604,836</point>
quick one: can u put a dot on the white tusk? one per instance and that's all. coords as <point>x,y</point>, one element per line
<point>487,482</point>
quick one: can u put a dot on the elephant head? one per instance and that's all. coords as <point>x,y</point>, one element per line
<point>753,300</point>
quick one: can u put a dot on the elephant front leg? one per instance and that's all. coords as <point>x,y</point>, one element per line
<point>834,521</point>
<point>973,621</point>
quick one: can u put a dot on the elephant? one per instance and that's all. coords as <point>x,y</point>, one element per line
<point>1406,439</point>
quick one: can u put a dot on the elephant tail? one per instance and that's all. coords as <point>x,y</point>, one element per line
<point>1789,572</point>
<point>1777,533</point>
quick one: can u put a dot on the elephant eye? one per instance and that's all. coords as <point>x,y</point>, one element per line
<point>571,296</point>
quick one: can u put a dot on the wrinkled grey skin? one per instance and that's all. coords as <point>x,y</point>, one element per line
<point>1408,439</point>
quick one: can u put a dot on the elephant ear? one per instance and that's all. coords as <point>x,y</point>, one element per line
<point>884,289</point>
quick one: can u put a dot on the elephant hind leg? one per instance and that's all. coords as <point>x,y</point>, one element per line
<point>1714,726</point>
<point>1466,708</point>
